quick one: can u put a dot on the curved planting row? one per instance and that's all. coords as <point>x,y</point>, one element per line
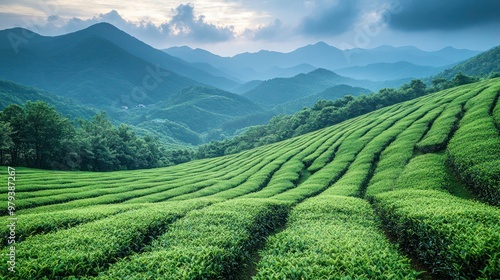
<point>429,212</point>
<point>211,243</point>
<point>475,147</point>
<point>332,237</point>
<point>345,149</point>
<point>33,224</point>
<point>456,238</point>
<point>141,193</point>
<point>90,248</point>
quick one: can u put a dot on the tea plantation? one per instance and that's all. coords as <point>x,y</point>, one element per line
<point>411,191</point>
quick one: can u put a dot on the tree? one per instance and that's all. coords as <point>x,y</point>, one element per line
<point>439,84</point>
<point>461,79</point>
<point>16,117</point>
<point>98,141</point>
<point>418,88</point>
<point>5,141</point>
<point>45,133</point>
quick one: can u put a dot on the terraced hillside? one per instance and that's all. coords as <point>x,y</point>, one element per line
<point>409,191</point>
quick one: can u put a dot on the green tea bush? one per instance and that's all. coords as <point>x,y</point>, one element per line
<point>455,238</point>
<point>42,223</point>
<point>332,237</point>
<point>394,158</point>
<point>211,243</point>
<point>475,147</point>
<point>88,249</point>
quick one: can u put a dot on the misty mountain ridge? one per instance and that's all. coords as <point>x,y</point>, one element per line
<point>319,55</point>
<point>482,65</point>
<point>389,71</point>
<point>91,69</point>
<point>278,91</point>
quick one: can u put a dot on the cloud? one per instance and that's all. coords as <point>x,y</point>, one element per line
<point>425,15</point>
<point>328,19</point>
<point>183,27</point>
<point>184,24</point>
<point>275,31</point>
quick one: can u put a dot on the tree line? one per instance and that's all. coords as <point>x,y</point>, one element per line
<point>36,135</point>
<point>325,113</point>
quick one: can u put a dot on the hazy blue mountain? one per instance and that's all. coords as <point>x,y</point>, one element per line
<point>197,55</point>
<point>242,67</point>
<point>246,87</point>
<point>13,93</point>
<point>389,71</point>
<point>283,90</point>
<point>202,108</point>
<point>389,54</point>
<point>217,72</point>
<point>88,68</point>
<point>255,66</point>
<point>154,56</point>
<point>330,93</point>
<point>481,65</point>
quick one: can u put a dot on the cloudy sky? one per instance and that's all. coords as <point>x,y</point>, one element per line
<point>227,27</point>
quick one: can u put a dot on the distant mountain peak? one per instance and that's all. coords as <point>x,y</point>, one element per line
<point>19,31</point>
<point>321,44</point>
<point>102,28</point>
<point>322,71</point>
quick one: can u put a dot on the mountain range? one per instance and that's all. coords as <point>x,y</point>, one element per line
<point>263,64</point>
<point>190,96</point>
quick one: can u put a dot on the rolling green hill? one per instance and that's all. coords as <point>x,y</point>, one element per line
<point>203,108</point>
<point>283,90</point>
<point>12,93</point>
<point>481,65</point>
<point>331,93</point>
<point>413,183</point>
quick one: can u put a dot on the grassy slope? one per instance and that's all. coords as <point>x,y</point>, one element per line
<point>412,169</point>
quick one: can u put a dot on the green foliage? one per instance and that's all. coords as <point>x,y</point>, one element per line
<point>479,164</point>
<point>496,113</point>
<point>42,223</point>
<point>211,243</point>
<point>90,248</point>
<point>456,238</point>
<point>332,237</point>
<point>40,137</point>
<point>39,134</point>
<point>209,218</point>
<point>483,65</point>
<point>395,156</point>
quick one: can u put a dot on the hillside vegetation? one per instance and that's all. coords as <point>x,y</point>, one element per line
<point>12,93</point>
<point>481,65</point>
<point>282,90</point>
<point>416,182</point>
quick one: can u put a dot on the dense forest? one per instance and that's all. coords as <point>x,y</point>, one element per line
<point>36,135</point>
